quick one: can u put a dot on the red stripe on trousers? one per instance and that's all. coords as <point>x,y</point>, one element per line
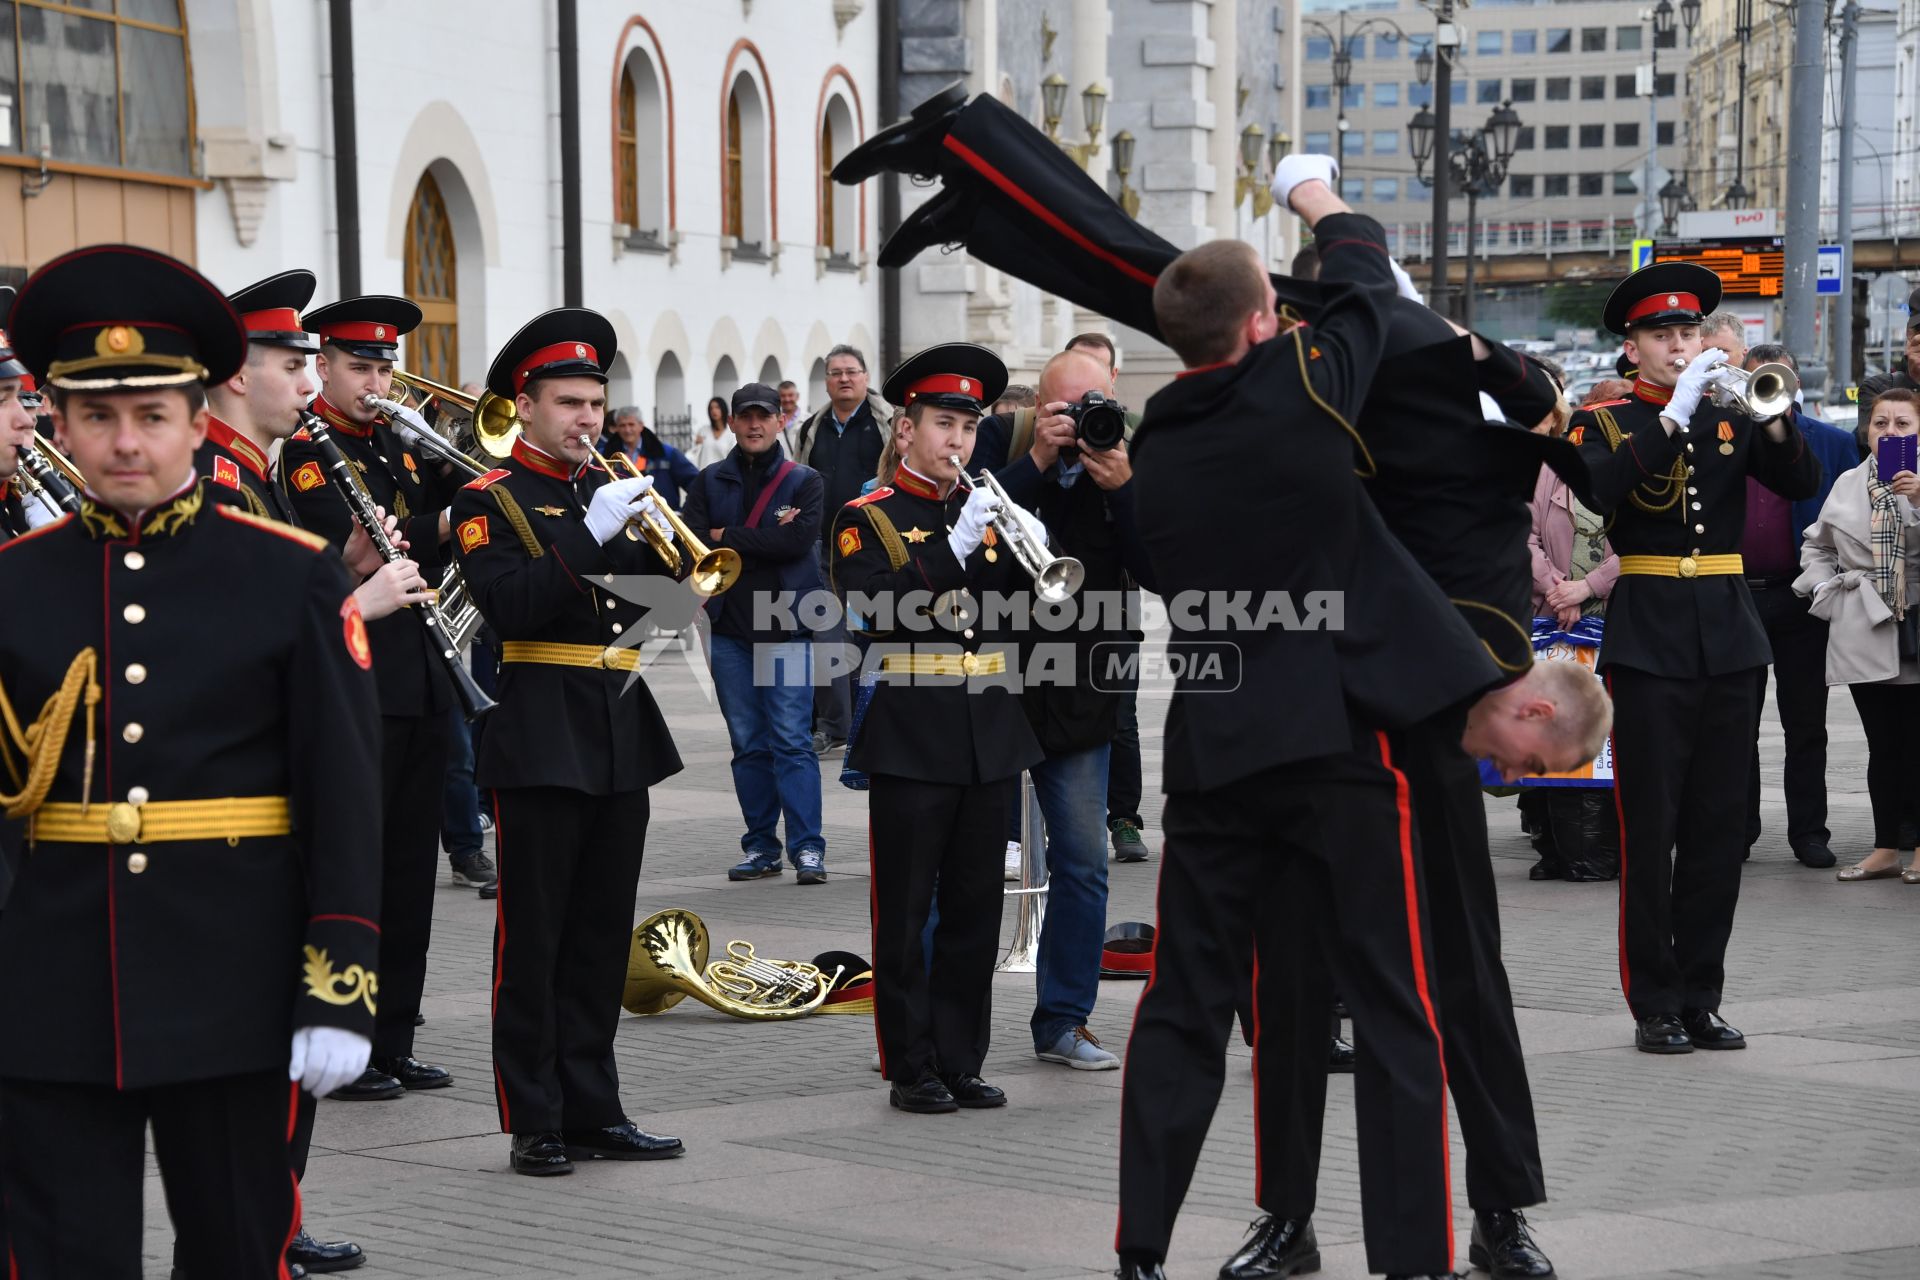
<point>1153,976</point>
<point>1415,943</point>
<point>293,1228</point>
<point>1620,816</point>
<point>499,949</point>
<point>1046,215</point>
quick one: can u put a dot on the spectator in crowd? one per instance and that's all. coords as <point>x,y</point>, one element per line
<point>1771,551</point>
<point>716,441</point>
<point>672,470</point>
<point>842,442</point>
<point>1017,396</point>
<point>769,509</point>
<point>1727,331</point>
<point>1904,375</point>
<point>790,415</point>
<point>1861,569</point>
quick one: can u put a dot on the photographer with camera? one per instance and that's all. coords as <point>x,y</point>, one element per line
<point>1066,462</point>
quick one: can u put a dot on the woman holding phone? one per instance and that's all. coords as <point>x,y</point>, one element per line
<point>1860,565</point>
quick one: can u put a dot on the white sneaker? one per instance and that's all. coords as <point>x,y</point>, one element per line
<point>1080,1050</point>
<point>1013,861</point>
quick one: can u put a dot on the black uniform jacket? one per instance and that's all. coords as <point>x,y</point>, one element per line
<point>522,544</point>
<point>1683,495</point>
<point>13,513</point>
<point>242,475</point>
<point>412,680</point>
<point>955,728</point>
<point>234,664</point>
<point>1246,486</point>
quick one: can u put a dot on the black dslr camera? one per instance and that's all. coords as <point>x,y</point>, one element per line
<point>1098,422</point>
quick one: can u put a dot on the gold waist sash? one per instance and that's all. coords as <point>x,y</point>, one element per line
<point>228,818</point>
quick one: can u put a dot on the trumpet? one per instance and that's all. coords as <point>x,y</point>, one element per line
<point>714,568</point>
<point>1054,577</point>
<point>1767,391</point>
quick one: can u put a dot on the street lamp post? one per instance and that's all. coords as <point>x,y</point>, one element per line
<point>1743,33</point>
<point>1446,41</point>
<point>1662,16</point>
<point>1342,58</point>
<point>1477,163</point>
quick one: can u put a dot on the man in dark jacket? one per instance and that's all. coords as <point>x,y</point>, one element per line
<point>1906,374</point>
<point>672,470</point>
<point>767,507</point>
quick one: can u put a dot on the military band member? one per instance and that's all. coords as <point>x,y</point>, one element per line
<point>944,738</point>
<point>569,753</point>
<point>358,345</point>
<point>196,898</point>
<point>16,433</point>
<point>1682,641</point>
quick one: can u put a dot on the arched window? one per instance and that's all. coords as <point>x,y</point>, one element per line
<point>669,392</point>
<point>817,383</point>
<point>839,208</point>
<point>726,377</point>
<point>640,151</point>
<point>432,275</point>
<point>745,173</point>
<point>770,372</point>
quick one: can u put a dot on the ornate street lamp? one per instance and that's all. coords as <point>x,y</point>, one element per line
<point>1673,198</point>
<point>1123,144</point>
<point>1420,138</point>
<point>1738,195</point>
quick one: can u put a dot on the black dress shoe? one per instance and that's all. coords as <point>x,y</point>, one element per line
<point>1340,1057</point>
<point>1503,1245</point>
<point>925,1096</point>
<point>1708,1030</point>
<point>374,1085</point>
<point>419,1019</point>
<point>911,146</point>
<point>945,219</point>
<point>539,1155</point>
<point>1661,1033</point>
<point>972,1092</point>
<point>1547,869</point>
<point>488,892</point>
<point>1815,853</point>
<point>337,1255</point>
<point>1140,1269</point>
<point>413,1073</point>
<point>1278,1247</point>
<point>623,1141</point>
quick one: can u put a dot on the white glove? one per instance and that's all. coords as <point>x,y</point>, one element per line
<point>1297,169</point>
<point>1695,381</point>
<point>1405,281</point>
<point>982,506</point>
<point>614,504</point>
<point>324,1058</point>
<point>407,423</point>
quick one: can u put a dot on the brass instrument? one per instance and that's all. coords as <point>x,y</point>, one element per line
<point>49,478</point>
<point>714,568</point>
<point>1768,391</point>
<point>487,422</point>
<point>669,961</point>
<point>1054,577</point>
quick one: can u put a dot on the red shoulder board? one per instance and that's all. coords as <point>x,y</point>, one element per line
<point>1608,404</point>
<point>481,482</point>
<point>882,492</point>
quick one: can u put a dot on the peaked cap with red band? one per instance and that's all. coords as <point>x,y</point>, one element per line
<point>10,366</point>
<point>567,342</point>
<point>271,308</point>
<point>1663,293</point>
<point>371,326</point>
<point>953,375</point>
<point>114,317</point>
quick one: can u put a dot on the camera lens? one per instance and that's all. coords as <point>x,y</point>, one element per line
<point>1101,424</point>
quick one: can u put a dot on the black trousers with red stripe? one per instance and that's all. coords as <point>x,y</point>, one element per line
<point>1322,853</point>
<point>569,865</point>
<point>75,1174</point>
<point>413,772</point>
<point>931,1013</point>
<point>1486,1073</point>
<point>1681,751</point>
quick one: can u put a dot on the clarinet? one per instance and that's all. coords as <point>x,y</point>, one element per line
<point>474,701</point>
<point>48,478</point>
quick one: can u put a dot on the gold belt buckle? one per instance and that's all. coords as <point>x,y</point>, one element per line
<point>610,658</point>
<point>970,664</point>
<point>123,823</point>
<point>1689,567</point>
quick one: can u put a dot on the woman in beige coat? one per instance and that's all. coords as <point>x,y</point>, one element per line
<point>1860,564</point>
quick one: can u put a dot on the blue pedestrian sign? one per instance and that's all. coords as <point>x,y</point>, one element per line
<point>1829,270</point>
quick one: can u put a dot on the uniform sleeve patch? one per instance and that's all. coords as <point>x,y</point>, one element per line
<point>1577,436</point>
<point>308,476</point>
<point>473,533</point>
<point>849,541</point>
<point>354,627</point>
<point>227,472</point>
<point>481,482</point>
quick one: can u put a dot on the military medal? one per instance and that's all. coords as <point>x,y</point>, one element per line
<point>1726,437</point>
<point>915,535</point>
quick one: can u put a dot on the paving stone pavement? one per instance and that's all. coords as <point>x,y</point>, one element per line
<point>1797,1158</point>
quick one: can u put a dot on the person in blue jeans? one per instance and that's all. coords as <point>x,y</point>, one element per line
<point>768,508</point>
<point>460,833</point>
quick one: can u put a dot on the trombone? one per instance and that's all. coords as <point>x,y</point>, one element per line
<point>489,420</point>
<point>714,568</point>
<point>1054,577</point>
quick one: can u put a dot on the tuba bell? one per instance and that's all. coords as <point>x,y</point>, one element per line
<point>669,961</point>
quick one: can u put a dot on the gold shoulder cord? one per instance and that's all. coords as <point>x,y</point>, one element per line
<point>889,536</point>
<point>518,519</point>
<point>1669,488</point>
<point>41,743</point>
<point>1366,470</point>
<point>1526,636</point>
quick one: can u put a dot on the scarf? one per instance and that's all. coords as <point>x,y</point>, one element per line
<point>1886,537</point>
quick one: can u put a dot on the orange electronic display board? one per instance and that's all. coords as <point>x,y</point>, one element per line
<point>1753,267</point>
